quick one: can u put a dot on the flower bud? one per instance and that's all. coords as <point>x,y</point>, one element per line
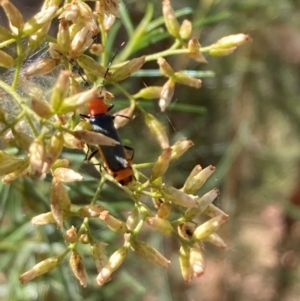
<point>149,253</point>
<point>39,269</point>
<point>193,184</point>
<point>127,69</point>
<point>55,51</point>
<point>221,51</point>
<point>133,219</point>
<point>232,41</point>
<point>38,20</point>
<point>84,239</point>
<point>108,22</point>
<point>157,130</point>
<point>180,147</point>
<point>216,240</point>
<point>63,36</point>
<point>166,94</point>
<point>123,116</point>
<point>96,49</point>
<point>213,211</point>
<point>164,67</point>
<point>164,210</point>
<point>162,164</point>
<point>71,235</point>
<point>61,163</point>
<point>183,78</point>
<point>95,138</point>
<point>197,261</point>
<point>53,150</point>
<point>43,219</point>
<point>185,266</point>
<point>71,142</point>
<point>178,197</point>
<point>8,178</point>
<point>113,223</point>
<point>14,16</point>
<point>67,175</point>
<point>148,93</point>
<point>36,155</point>
<point>159,224</point>
<point>9,163</point>
<point>84,10</point>
<point>41,108</point>
<point>42,67</point>
<point>60,89</point>
<point>82,40</point>
<point>6,60</point>
<point>203,203</point>
<point>4,34</point>
<point>77,266</point>
<point>89,65</point>
<point>36,39</point>
<point>185,29</point>
<point>99,255</point>
<point>73,102</point>
<point>170,19</point>
<point>195,51</point>
<point>115,260</point>
<point>209,227</point>
<point>186,230</point>
<point>90,211</point>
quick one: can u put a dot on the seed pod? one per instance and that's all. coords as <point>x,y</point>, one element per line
<point>166,94</point>
<point>195,51</point>
<point>42,67</point>
<point>162,164</point>
<point>14,16</point>
<point>61,163</point>
<point>113,223</point>
<point>185,265</point>
<point>115,260</point>
<point>180,147</point>
<point>186,230</point>
<point>38,20</point>
<point>209,227</point>
<point>171,22</point>
<point>185,29</point>
<point>6,60</point>
<point>183,78</point>
<point>43,219</point>
<point>77,266</point>
<point>157,130</point>
<point>193,184</point>
<point>213,211</point>
<point>127,69</point>
<point>164,67</point>
<point>39,269</point>
<point>149,253</point>
<point>178,197</point>
<point>133,219</point>
<point>99,254</point>
<point>159,224</point>
<point>151,92</point>
<point>164,210</point>
<point>197,261</point>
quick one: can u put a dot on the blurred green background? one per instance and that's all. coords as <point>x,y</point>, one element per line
<point>245,121</point>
